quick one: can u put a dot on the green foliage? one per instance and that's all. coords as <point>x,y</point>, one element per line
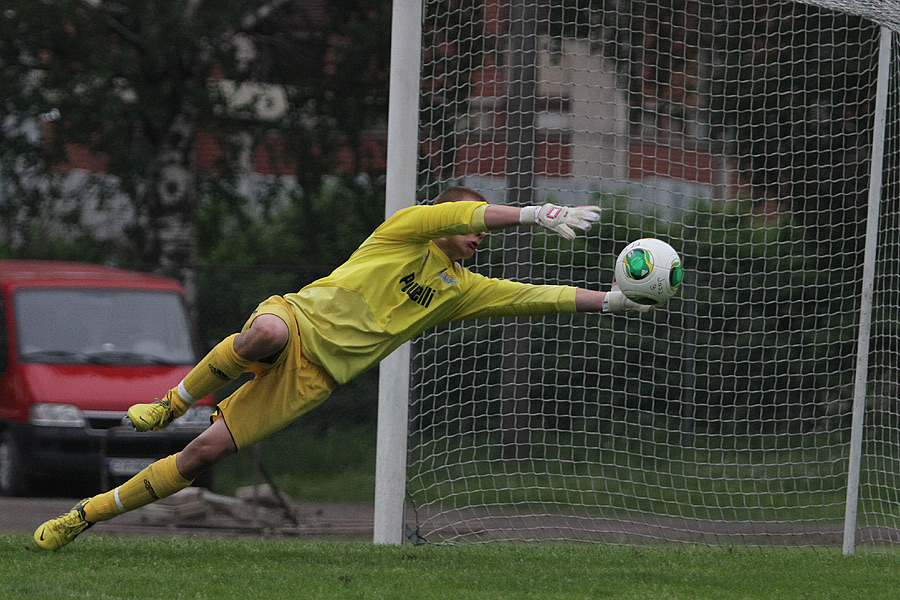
<point>766,338</point>
<point>245,257</point>
<point>84,249</point>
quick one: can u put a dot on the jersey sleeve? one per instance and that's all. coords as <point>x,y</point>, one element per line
<point>427,222</point>
<point>488,297</point>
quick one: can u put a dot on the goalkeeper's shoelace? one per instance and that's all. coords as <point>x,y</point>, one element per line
<point>159,414</point>
<point>72,523</point>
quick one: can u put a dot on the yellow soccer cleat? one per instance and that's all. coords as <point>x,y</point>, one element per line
<point>152,417</point>
<point>56,533</point>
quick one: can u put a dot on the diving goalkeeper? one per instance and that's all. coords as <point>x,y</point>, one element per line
<point>402,280</point>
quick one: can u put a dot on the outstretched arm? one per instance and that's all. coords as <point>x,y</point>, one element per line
<point>498,216</point>
<point>614,301</point>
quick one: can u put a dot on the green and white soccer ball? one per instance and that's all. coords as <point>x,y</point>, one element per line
<point>649,271</point>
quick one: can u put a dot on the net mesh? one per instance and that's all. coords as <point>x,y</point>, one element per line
<point>741,134</point>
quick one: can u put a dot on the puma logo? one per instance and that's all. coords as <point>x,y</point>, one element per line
<point>150,489</point>
<point>218,373</point>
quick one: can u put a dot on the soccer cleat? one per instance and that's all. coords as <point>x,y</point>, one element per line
<point>56,533</point>
<point>152,417</point>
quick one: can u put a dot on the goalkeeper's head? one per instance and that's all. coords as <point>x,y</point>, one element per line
<point>459,247</point>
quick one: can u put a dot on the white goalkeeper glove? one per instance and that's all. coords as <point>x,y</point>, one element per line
<point>617,302</point>
<point>560,219</point>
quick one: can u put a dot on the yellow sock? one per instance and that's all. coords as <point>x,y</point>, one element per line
<point>217,369</point>
<point>178,405</point>
<point>159,480</point>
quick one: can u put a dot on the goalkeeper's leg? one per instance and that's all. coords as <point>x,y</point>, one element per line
<point>160,480</point>
<point>265,336</point>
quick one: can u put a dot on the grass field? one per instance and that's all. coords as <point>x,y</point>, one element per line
<point>100,567</point>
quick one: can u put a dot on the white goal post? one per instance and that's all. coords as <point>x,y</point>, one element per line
<point>761,406</point>
<point>393,383</point>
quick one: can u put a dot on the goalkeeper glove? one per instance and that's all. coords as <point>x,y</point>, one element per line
<point>617,302</point>
<point>560,219</point>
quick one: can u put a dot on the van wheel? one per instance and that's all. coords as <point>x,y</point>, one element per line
<point>13,480</point>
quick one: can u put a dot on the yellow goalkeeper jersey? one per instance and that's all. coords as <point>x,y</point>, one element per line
<point>398,283</point>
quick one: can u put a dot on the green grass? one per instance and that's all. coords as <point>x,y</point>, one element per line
<point>99,567</point>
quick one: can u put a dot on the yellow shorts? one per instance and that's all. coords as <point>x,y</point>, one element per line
<point>280,392</point>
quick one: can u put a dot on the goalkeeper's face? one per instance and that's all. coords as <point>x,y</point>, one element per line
<point>459,247</point>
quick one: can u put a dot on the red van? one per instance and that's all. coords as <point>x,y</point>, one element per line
<point>79,344</point>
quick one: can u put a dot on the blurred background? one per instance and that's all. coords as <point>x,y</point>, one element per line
<point>238,146</point>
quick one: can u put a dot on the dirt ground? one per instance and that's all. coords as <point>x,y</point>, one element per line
<point>196,511</point>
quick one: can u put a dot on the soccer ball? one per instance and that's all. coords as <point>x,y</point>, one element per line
<point>649,271</point>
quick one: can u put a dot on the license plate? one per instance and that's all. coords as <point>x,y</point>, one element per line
<point>121,467</point>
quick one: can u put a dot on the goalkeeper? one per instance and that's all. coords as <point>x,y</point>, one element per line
<point>402,280</point>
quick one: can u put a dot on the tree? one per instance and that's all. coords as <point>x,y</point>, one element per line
<point>130,84</point>
<point>134,83</point>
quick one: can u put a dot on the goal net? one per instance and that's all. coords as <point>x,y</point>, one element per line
<point>742,133</point>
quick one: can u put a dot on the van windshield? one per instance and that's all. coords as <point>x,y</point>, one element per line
<point>102,326</point>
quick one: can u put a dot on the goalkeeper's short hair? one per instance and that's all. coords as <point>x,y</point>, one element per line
<point>458,194</point>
